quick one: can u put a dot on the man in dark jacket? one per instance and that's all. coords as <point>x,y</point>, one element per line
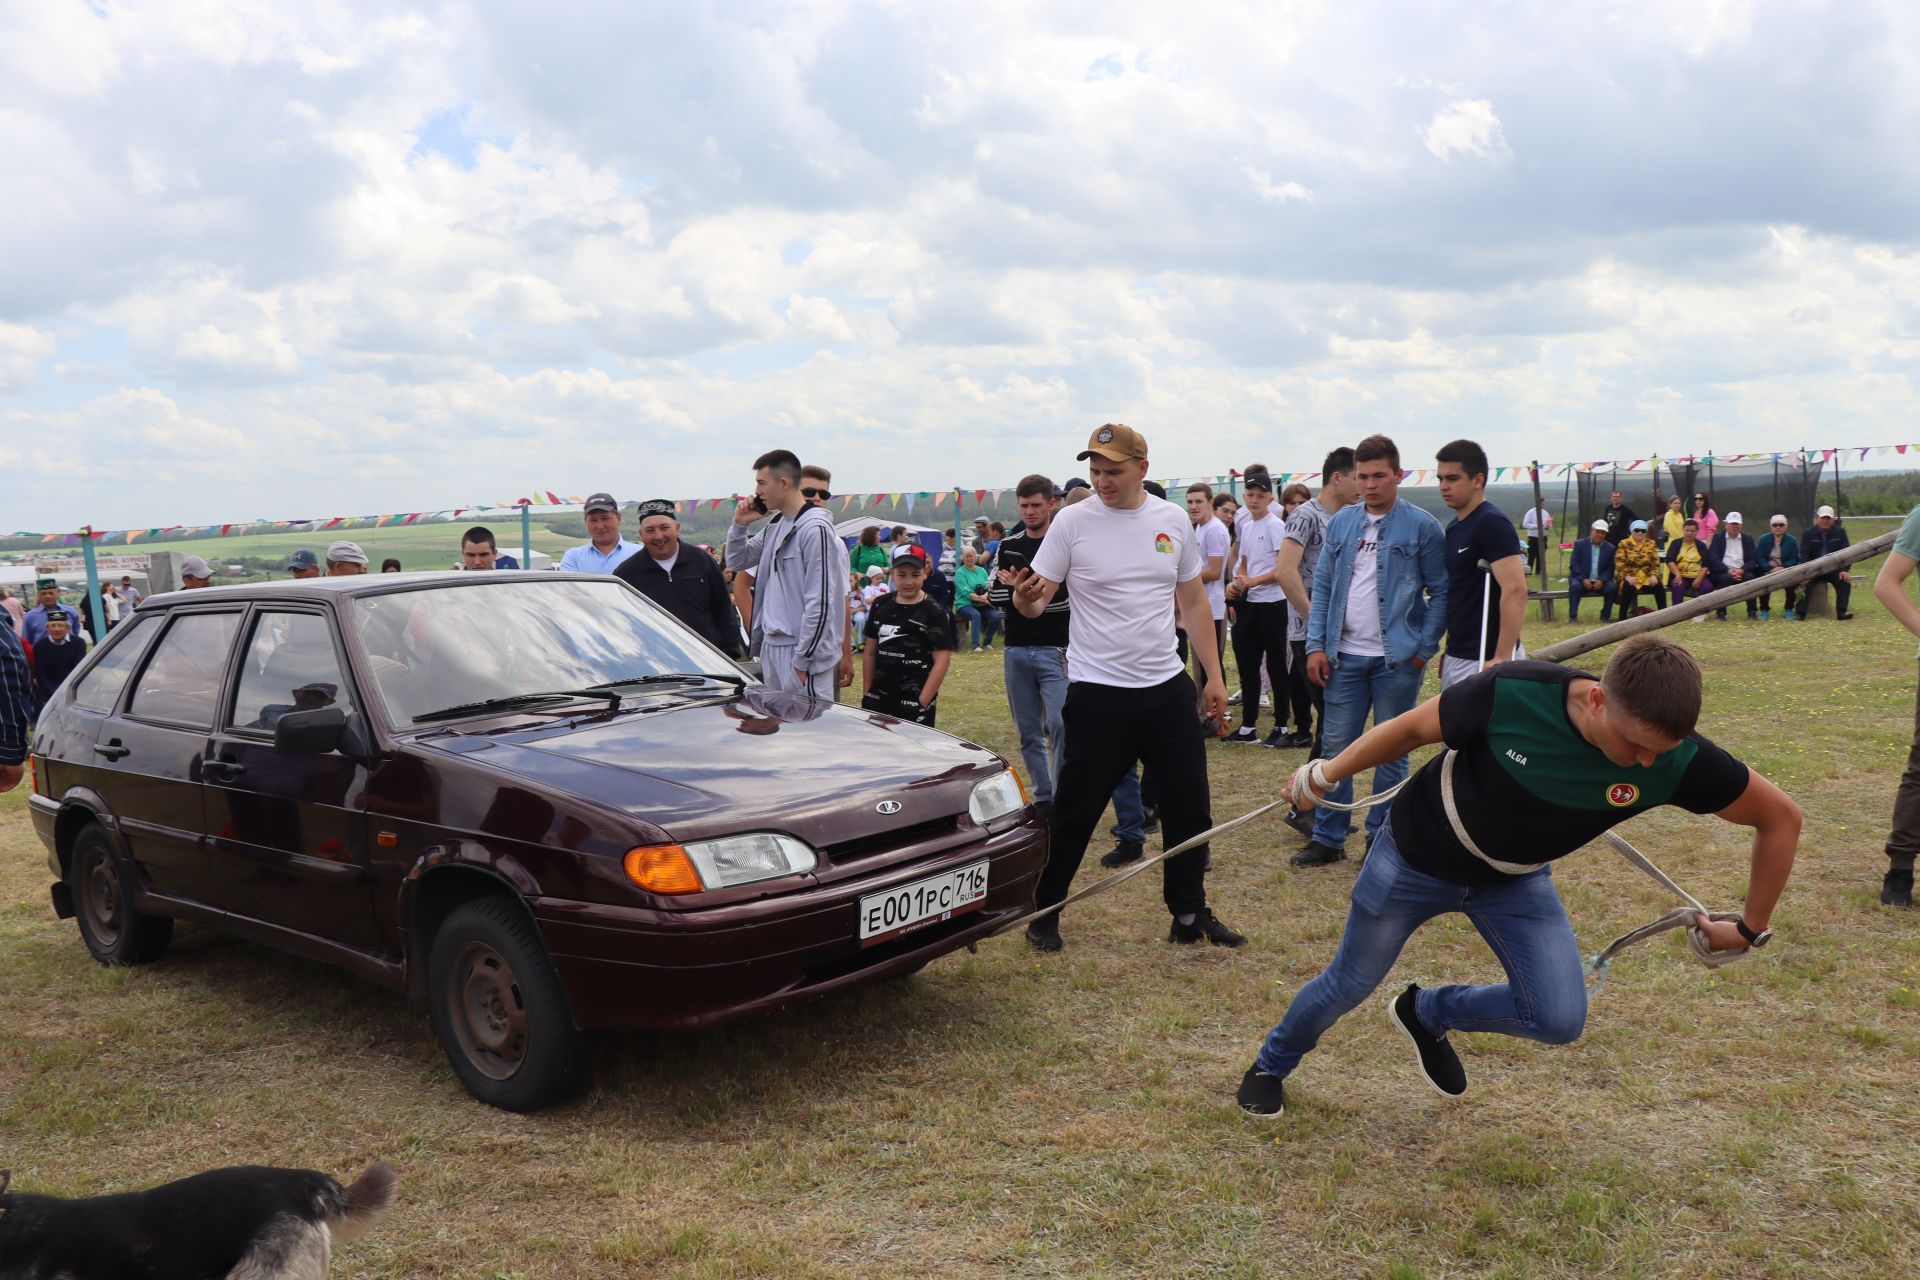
<point>1826,537</point>
<point>1739,559</point>
<point>1778,550</point>
<point>1619,517</point>
<point>1590,572</point>
<point>55,655</point>
<point>685,581</point>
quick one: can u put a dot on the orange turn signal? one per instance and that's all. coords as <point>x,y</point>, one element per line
<point>662,868</point>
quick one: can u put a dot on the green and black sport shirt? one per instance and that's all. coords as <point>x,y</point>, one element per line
<point>1529,788</point>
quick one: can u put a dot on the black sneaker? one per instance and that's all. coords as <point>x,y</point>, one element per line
<point>1044,934</point>
<point>1261,1094</point>
<point>1245,733</point>
<point>1299,821</point>
<point>1276,739</point>
<point>1843,617</point>
<point>1123,853</point>
<point>1299,739</point>
<point>1438,1062</point>
<point>1317,855</point>
<point>1205,925</point>
<point>1150,819</point>
<point>1897,889</point>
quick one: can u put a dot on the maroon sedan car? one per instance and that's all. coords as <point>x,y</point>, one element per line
<point>535,802</point>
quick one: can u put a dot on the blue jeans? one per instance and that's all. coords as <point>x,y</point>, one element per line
<point>1036,677</point>
<point>1129,814</point>
<point>1544,997</point>
<point>979,616</point>
<point>1359,685</point>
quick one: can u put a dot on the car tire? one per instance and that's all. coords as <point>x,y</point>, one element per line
<point>114,932</point>
<point>500,1010</point>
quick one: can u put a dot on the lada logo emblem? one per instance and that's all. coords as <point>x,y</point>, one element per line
<point>887,806</point>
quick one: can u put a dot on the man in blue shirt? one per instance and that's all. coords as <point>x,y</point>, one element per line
<point>1480,533</point>
<point>46,600</point>
<point>607,548</point>
<point>1379,608</point>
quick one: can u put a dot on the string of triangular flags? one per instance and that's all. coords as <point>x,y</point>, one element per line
<point>906,501</point>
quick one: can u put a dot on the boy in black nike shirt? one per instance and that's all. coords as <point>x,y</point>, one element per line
<point>1540,761</point>
<point>910,644</point>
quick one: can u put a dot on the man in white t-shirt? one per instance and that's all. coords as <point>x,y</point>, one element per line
<point>1216,541</point>
<point>1129,560</point>
<point>1260,613</point>
<point>1537,524</point>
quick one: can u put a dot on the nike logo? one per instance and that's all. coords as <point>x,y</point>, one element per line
<point>1460,551</point>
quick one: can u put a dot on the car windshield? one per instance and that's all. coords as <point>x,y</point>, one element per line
<point>450,646</point>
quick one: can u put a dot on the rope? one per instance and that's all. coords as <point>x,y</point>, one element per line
<point>1311,777</point>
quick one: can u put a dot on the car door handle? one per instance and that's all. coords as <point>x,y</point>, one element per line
<point>222,768</point>
<point>112,751</point>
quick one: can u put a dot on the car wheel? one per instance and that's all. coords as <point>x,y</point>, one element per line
<point>102,903</point>
<point>500,1011</point>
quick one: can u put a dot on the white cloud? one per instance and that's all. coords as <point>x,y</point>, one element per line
<point>454,250</point>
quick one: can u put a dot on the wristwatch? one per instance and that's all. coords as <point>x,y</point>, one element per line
<point>1759,939</point>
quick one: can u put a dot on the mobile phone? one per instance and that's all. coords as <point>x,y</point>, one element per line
<point>759,504</point>
<point>1012,561</point>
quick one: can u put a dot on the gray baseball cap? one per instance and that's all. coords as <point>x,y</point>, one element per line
<point>344,552</point>
<point>602,502</point>
<point>195,567</point>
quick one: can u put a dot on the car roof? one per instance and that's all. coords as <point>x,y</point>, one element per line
<point>359,584</point>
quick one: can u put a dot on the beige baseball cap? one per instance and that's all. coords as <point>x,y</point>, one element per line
<point>1115,443</point>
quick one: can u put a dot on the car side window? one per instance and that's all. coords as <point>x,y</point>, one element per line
<point>290,666</point>
<point>100,688</point>
<point>181,682</point>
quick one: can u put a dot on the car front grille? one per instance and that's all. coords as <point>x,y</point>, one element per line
<point>898,838</point>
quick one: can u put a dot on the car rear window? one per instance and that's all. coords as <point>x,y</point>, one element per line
<point>99,689</point>
<point>181,683</point>
<point>290,666</point>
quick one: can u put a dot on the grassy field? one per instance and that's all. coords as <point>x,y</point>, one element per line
<point>1008,1114</point>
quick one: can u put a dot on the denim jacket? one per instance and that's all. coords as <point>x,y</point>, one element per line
<point>1412,582</point>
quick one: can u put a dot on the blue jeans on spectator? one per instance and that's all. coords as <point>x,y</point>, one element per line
<point>978,616</point>
<point>1359,685</point>
<point>1544,997</point>
<point>1036,678</point>
<point>1129,814</point>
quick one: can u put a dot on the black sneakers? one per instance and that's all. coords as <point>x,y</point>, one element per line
<point>1438,1062</point>
<point>1299,738</point>
<point>1205,925</point>
<point>1317,855</point>
<point>1278,738</point>
<point>1124,852</point>
<point>1044,934</point>
<point>1261,1094</point>
<point>1245,733</point>
<point>1299,821</point>
<point>1897,889</point>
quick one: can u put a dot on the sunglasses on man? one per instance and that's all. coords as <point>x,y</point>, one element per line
<point>818,495</point>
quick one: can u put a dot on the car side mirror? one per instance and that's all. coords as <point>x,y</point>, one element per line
<point>310,733</point>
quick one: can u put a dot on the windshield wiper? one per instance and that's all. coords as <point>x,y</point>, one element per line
<point>516,700</point>
<point>676,677</point>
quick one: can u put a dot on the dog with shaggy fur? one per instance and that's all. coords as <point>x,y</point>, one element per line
<point>242,1223</point>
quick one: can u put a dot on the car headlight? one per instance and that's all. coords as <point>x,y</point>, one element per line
<point>670,869</point>
<point>996,797</point>
<point>743,859</point>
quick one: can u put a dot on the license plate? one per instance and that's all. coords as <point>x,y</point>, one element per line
<point>942,897</point>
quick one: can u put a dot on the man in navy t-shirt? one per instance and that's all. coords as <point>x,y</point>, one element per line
<point>1479,532</point>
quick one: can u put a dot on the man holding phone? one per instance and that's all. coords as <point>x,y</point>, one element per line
<point>799,601</point>
<point>1034,662</point>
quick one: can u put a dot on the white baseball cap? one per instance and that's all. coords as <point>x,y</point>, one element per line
<point>1823,511</point>
<point>1777,520</point>
<point>1733,517</point>
<point>1600,525</point>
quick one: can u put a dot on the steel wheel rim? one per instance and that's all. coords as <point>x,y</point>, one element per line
<point>489,1015</point>
<point>100,899</point>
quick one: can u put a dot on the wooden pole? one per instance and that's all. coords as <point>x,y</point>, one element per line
<point>1539,512</point>
<point>1627,628</point>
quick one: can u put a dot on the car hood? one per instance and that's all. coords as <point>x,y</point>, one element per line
<point>700,766</point>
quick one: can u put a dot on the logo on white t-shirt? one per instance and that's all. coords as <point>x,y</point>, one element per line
<point>1163,544</point>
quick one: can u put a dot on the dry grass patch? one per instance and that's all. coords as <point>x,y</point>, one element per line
<point>1005,1114</point>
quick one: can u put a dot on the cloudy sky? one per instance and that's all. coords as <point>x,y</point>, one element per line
<point>268,259</point>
